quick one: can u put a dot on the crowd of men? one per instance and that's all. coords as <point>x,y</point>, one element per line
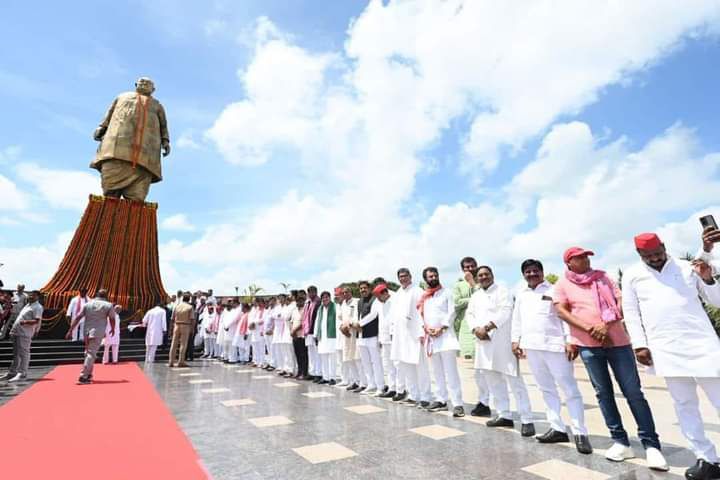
<point>389,343</point>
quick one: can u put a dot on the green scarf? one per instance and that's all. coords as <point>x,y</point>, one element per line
<point>330,321</point>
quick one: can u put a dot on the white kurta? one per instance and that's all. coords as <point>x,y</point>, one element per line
<point>276,313</point>
<point>493,305</point>
<point>207,322</point>
<point>440,312</point>
<point>285,320</point>
<point>257,319</point>
<point>230,324</point>
<point>155,323</point>
<point>325,345</point>
<point>221,330</point>
<point>386,321</point>
<point>408,325</point>
<point>348,316</point>
<point>535,323</point>
<point>663,313</point>
<point>76,305</point>
<point>113,339</point>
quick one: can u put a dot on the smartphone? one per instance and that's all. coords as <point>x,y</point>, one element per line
<point>708,221</point>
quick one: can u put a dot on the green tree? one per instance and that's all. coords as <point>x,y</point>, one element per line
<point>551,278</point>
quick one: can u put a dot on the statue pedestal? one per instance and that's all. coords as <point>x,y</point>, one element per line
<point>115,247</point>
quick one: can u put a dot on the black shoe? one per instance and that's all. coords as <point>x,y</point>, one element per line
<point>400,396</point>
<point>388,394</point>
<point>385,389</point>
<point>527,430</point>
<point>270,368</point>
<point>582,443</point>
<point>436,406</point>
<point>458,412</point>
<point>352,387</point>
<point>481,410</point>
<point>703,470</point>
<point>84,381</point>
<point>409,402</point>
<point>317,380</point>
<point>553,436</point>
<point>332,383</point>
<point>423,405</point>
<point>323,382</point>
<point>500,422</point>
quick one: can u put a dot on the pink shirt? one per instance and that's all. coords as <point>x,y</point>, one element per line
<point>584,305</point>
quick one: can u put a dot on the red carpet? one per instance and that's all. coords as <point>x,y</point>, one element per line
<point>117,428</point>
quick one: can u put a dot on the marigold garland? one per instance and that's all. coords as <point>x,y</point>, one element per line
<point>114,247</point>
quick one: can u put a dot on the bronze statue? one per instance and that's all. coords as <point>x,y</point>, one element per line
<point>132,134</point>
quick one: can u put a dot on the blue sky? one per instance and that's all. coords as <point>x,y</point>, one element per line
<point>331,141</point>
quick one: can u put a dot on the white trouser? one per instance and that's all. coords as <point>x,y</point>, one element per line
<point>314,366</point>
<point>232,352</point>
<point>393,379</point>
<point>209,344</point>
<point>244,351</point>
<point>269,346</point>
<point>549,369</point>
<point>328,366</point>
<point>150,353</point>
<point>258,348</point>
<point>115,352</point>
<point>78,333</point>
<point>353,373</point>
<point>498,384</point>
<point>372,364</point>
<point>340,366</point>
<point>289,357</point>
<point>447,377</point>
<point>417,378</point>
<point>219,350</point>
<point>482,387</point>
<point>683,391</point>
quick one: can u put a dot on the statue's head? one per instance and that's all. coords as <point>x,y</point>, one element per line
<point>144,86</point>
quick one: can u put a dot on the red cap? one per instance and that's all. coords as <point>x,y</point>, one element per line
<point>338,291</point>
<point>647,241</point>
<point>379,289</point>
<point>575,252</point>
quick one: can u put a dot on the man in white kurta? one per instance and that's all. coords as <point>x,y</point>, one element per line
<point>208,324</point>
<point>76,305</point>
<point>394,382</point>
<point>325,332</point>
<point>256,326</point>
<point>155,323</point>
<point>286,355</point>
<point>112,339</point>
<point>544,339</point>
<point>340,368</point>
<point>406,347</point>
<point>437,310</point>
<point>489,318</point>
<point>351,354</point>
<point>369,326</point>
<point>672,335</point>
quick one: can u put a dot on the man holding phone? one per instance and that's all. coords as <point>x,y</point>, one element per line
<point>672,335</point>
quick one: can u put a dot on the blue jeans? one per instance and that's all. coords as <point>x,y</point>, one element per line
<point>622,362</point>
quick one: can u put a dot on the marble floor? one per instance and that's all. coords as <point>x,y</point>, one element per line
<point>246,423</point>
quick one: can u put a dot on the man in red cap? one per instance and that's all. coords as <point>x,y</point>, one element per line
<point>672,335</point>
<point>589,302</point>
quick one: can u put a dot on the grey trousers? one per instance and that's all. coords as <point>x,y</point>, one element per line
<point>92,345</point>
<point>21,355</point>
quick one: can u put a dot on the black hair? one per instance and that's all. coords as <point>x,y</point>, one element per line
<point>364,282</point>
<point>378,281</point>
<point>530,262</point>
<point>467,260</point>
<point>486,268</point>
<point>403,270</point>
<point>428,270</point>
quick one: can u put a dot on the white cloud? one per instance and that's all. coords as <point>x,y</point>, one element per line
<point>68,189</point>
<point>359,121</point>
<point>178,222</point>
<point>11,197</point>
<point>186,140</point>
<point>32,265</point>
